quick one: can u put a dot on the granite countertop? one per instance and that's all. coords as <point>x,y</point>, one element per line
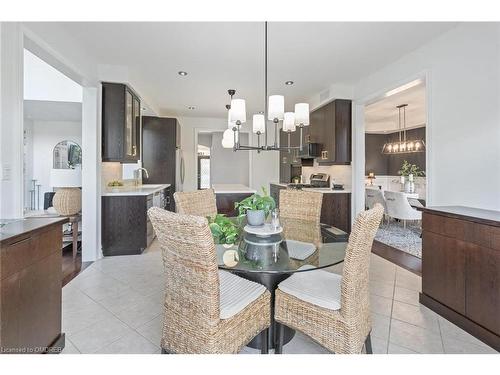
<point>18,228</point>
<point>232,189</point>
<point>132,191</point>
<point>320,190</point>
<point>488,217</point>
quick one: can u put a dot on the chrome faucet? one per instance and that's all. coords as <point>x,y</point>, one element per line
<point>138,175</point>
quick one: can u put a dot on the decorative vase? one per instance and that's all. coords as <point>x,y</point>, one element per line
<point>67,201</point>
<point>255,217</point>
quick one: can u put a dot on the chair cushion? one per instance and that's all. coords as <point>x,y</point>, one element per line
<point>320,288</point>
<point>236,293</point>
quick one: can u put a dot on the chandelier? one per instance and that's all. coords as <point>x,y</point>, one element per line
<point>275,111</point>
<point>403,146</point>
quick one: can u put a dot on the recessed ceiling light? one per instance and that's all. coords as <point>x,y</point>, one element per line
<point>289,83</point>
<point>182,73</point>
<point>191,107</point>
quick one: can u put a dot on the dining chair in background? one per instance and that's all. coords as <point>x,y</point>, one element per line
<point>398,207</point>
<point>374,196</point>
<point>205,310</point>
<point>198,203</point>
<point>334,310</point>
<point>301,205</point>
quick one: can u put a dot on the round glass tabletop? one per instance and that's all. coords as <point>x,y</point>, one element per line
<point>297,247</point>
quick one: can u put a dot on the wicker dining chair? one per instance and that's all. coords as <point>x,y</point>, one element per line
<point>205,310</point>
<point>299,204</point>
<point>198,203</point>
<point>333,310</point>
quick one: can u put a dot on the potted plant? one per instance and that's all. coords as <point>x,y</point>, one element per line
<point>256,208</point>
<point>224,231</point>
<point>410,171</point>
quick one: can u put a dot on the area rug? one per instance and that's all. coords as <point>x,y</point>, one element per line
<point>407,240</point>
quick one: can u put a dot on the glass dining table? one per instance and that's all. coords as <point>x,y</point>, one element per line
<point>269,255</point>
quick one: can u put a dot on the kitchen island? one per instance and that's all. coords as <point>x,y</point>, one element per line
<point>31,285</point>
<point>228,194</point>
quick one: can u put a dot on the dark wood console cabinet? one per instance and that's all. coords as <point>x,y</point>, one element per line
<point>31,286</point>
<point>461,268</point>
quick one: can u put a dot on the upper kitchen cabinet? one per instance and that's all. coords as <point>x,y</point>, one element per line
<point>121,123</point>
<point>331,127</point>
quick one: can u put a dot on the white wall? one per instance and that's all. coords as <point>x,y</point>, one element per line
<point>264,167</point>
<point>226,166</point>
<point>463,71</point>
<point>46,134</point>
<point>43,82</point>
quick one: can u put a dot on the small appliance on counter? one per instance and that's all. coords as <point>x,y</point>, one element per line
<point>337,187</point>
<point>320,180</point>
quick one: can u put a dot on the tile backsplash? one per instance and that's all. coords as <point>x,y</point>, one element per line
<point>110,172</point>
<point>339,174</point>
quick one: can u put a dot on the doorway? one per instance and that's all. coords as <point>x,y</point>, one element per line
<point>395,167</point>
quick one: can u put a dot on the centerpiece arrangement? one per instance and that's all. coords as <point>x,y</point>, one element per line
<point>407,172</point>
<point>256,208</point>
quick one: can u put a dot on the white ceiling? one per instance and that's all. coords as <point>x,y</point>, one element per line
<point>382,116</point>
<point>219,56</point>
<point>43,110</point>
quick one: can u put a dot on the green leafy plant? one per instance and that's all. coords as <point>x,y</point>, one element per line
<point>408,169</point>
<point>224,231</point>
<point>256,202</point>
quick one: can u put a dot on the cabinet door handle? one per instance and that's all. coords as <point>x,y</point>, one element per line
<point>134,150</point>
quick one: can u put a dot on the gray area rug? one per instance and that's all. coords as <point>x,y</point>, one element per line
<point>407,240</point>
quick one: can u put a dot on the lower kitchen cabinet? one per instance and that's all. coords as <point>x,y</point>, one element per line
<point>126,229</point>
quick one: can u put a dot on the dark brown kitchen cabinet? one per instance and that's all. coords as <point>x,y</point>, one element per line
<point>461,268</point>
<point>330,125</point>
<point>290,163</point>
<point>121,123</point>
<point>126,228</point>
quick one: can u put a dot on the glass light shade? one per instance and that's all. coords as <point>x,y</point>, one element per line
<point>228,138</point>
<point>259,124</point>
<point>276,108</point>
<point>238,111</point>
<point>66,177</point>
<point>230,125</point>
<point>302,114</point>
<point>289,122</point>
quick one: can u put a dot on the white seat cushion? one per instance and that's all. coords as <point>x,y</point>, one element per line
<point>236,293</point>
<point>321,288</point>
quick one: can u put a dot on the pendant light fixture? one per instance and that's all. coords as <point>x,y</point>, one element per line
<point>275,112</point>
<point>403,146</point>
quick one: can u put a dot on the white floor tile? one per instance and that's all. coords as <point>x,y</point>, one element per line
<point>100,334</point>
<point>453,346</point>
<point>406,295</point>
<point>76,320</point>
<point>381,305</point>
<point>450,330</point>
<point>133,343</point>
<point>417,315</point>
<point>382,289</point>
<point>408,280</point>
<point>396,349</point>
<point>152,330</point>
<point>415,338</point>
<point>380,326</point>
<point>69,348</point>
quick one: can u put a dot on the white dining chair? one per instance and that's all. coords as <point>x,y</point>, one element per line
<point>374,196</point>
<point>398,207</point>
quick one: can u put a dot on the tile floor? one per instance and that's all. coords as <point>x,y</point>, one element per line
<point>115,306</point>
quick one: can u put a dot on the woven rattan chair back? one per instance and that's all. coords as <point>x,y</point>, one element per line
<point>301,205</point>
<point>192,280</point>
<point>355,289</point>
<point>198,203</point>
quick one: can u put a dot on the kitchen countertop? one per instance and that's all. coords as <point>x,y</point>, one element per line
<point>320,190</point>
<point>132,191</point>
<point>232,189</point>
<point>14,229</point>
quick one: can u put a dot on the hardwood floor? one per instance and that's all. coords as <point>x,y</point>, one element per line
<point>70,268</point>
<point>398,257</point>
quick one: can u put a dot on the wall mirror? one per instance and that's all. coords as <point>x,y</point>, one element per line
<point>67,155</point>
